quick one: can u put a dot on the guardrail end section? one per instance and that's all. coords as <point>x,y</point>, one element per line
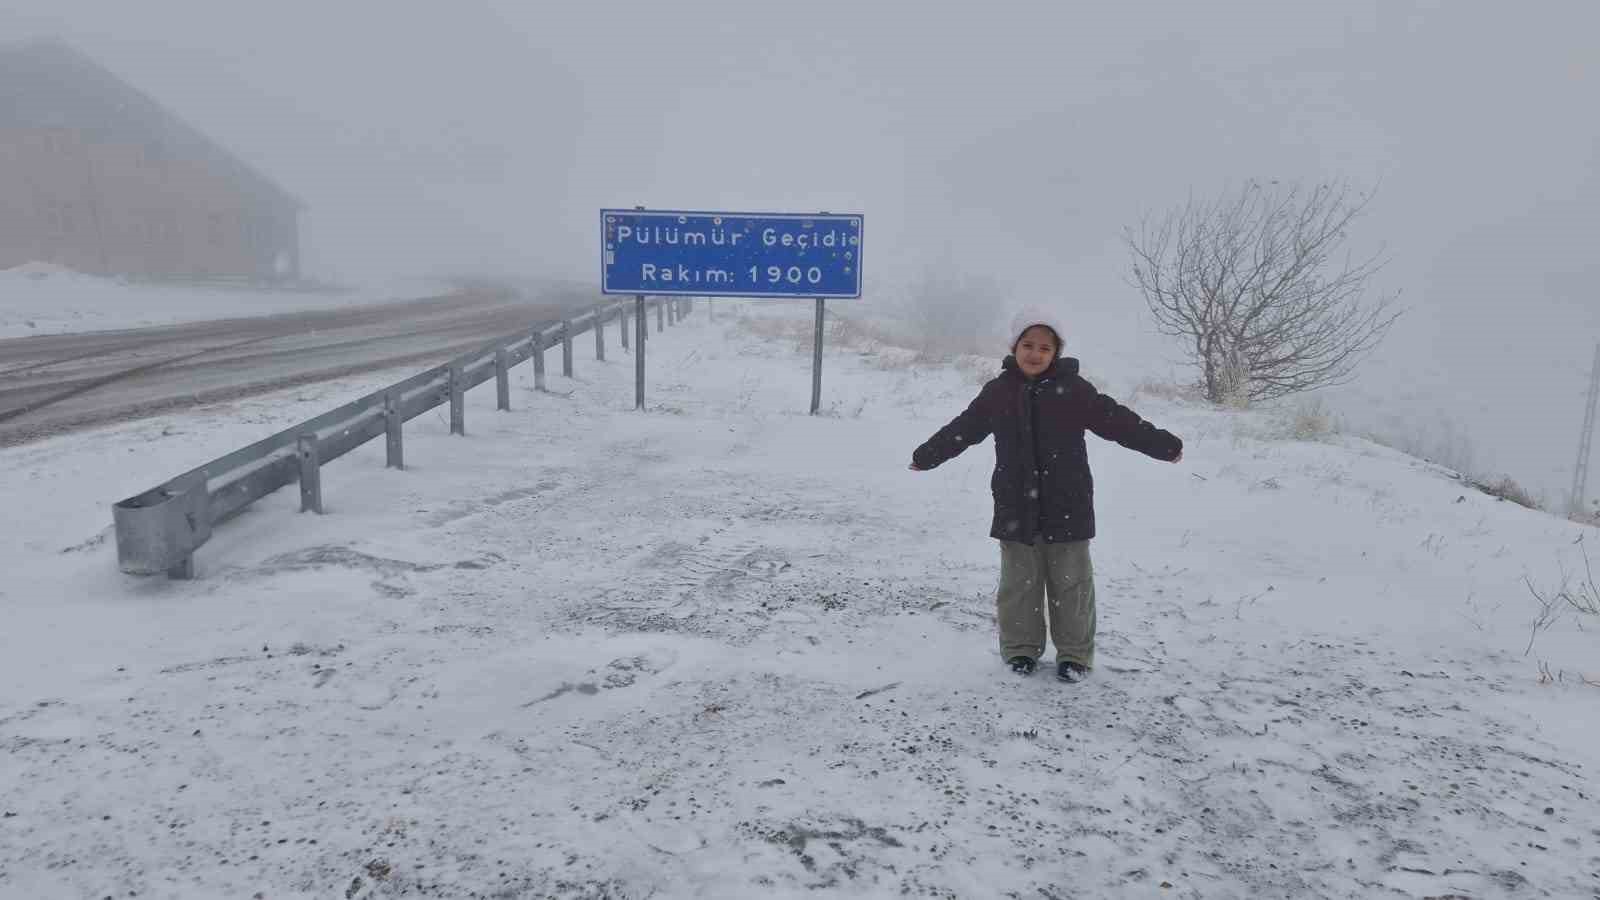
<point>159,530</point>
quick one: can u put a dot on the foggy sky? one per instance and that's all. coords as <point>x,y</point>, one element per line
<point>1015,139</point>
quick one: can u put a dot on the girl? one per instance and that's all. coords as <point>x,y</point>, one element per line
<point>1037,409</point>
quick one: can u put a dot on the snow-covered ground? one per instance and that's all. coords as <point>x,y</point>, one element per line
<point>39,298</point>
<point>725,649</point>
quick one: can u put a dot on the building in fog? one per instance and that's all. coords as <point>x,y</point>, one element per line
<point>99,177</point>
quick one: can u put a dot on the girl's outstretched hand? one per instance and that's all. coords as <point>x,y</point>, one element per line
<point>1179,457</point>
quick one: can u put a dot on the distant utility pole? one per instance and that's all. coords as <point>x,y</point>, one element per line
<point>1580,472</point>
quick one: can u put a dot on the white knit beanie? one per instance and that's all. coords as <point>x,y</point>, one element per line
<point>1029,316</point>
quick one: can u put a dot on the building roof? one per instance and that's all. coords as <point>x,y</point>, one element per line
<point>46,83</point>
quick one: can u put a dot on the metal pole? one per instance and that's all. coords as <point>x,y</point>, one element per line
<point>661,316</point>
<point>310,475</point>
<point>392,431</point>
<point>458,400</point>
<point>566,347</point>
<point>816,362</point>
<point>622,326</point>
<point>1580,472</point>
<point>599,337</point>
<point>502,380</point>
<point>641,329</point>
<point>538,360</point>
<point>816,358</point>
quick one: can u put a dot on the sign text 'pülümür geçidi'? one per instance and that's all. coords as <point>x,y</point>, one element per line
<point>718,236</point>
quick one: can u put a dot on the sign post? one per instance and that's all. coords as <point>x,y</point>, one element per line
<point>677,253</point>
<point>640,330</point>
<point>816,361</point>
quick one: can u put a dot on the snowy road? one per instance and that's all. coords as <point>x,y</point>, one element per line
<point>56,383</point>
<point>725,649</point>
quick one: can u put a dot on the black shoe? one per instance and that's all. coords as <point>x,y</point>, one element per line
<point>1071,672</point>
<point>1022,665</point>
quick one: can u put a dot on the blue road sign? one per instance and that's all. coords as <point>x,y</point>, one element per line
<point>725,254</point>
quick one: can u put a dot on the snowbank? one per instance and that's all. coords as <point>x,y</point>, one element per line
<point>42,298</point>
<point>722,648</point>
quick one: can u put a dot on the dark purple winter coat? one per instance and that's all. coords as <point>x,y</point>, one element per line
<point>1041,484</point>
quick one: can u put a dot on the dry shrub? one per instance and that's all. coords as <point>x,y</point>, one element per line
<point>1167,390</point>
<point>1507,489</point>
<point>1503,488</point>
<point>798,333</point>
<point>1440,441</point>
<point>1309,420</point>
<point>977,369</point>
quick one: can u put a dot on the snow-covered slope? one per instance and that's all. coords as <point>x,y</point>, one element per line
<point>724,649</point>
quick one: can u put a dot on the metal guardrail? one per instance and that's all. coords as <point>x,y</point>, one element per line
<point>160,529</point>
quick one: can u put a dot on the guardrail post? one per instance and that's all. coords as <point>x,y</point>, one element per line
<point>566,347</point>
<point>661,316</point>
<point>538,360</point>
<point>502,380</point>
<point>458,400</point>
<point>642,328</point>
<point>393,422</point>
<point>599,337</point>
<point>623,321</point>
<point>310,475</point>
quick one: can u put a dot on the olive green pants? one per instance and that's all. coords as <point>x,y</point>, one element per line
<point>1030,574</point>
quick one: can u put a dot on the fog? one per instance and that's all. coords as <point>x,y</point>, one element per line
<point>1014,141</point>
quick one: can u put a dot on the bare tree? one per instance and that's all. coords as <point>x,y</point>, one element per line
<point>1252,285</point>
